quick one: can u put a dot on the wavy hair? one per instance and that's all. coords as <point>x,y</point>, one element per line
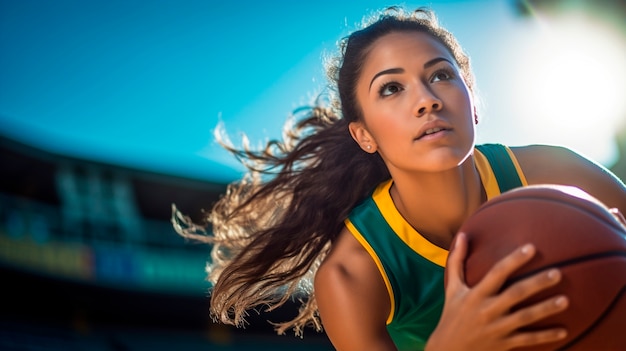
<point>271,230</point>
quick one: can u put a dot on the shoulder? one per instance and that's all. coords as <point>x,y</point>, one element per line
<point>554,164</point>
<point>546,164</point>
<point>352,299</point>
<point>348,263</point>
<point>541,161</point>
<point>539,150</point>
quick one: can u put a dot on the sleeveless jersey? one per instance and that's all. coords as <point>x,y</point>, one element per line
<point>411,266</point>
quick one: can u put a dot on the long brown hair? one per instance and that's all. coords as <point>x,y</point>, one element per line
<point>272,229</point>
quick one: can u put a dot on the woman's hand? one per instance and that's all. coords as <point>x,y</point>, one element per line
<point>479,318</point>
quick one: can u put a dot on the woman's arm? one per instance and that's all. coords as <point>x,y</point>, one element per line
<point>544,164</point>
<point>352,298</point>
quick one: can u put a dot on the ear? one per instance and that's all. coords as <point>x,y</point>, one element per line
<point>362,137</point>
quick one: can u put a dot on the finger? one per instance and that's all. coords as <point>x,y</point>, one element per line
<point>531,314</point>
<point>502,270</point>
<point>536,337</point>
<point>455,266</point>
<point>526,288</point>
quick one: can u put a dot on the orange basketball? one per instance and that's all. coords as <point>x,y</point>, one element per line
<point>572,231</point>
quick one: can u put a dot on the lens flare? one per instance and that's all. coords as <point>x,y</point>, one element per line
<point>571,80</point>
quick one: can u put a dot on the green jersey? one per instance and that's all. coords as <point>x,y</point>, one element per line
<point>411,266</point>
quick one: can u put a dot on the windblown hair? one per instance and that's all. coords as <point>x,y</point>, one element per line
<point>272,229</point>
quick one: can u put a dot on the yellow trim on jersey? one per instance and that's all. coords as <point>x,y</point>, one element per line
<point>414,239</point>
<point>520,174</point>
<point>355,232</point>
<point>404,230</point>
<point>488,178</point>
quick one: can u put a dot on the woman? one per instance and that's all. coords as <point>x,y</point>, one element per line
<point>391,160</point>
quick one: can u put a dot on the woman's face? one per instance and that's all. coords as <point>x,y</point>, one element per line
<point>417,110</point>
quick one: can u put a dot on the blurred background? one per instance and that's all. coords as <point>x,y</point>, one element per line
<point>107,113</point>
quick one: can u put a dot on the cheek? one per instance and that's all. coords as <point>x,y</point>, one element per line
<point>392,136</point>
<point>462,104</point>
<point>383,123</point>
<point>466,99</point>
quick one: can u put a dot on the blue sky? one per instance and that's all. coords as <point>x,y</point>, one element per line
<point>144,83</point>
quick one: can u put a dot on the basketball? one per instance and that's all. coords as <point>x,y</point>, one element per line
<point>572,231</point>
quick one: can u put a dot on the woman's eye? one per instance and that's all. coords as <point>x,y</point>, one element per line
<point>441,75</point>
<point>389,89</point>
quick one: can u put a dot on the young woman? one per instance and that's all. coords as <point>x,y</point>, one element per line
<point>365,197</point>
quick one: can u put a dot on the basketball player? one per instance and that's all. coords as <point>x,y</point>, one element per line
<point>356,212</point>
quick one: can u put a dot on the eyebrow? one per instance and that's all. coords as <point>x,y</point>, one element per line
<point>428,64</point>
<point>435,61</point>
<point>387,71</point>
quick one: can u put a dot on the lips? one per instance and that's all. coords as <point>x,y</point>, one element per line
<point>431,128</point>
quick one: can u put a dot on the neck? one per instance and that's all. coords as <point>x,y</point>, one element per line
<point>437,204</point>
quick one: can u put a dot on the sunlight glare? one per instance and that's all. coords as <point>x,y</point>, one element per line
<point>572,84</point>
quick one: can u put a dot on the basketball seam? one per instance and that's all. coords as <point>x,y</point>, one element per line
<point>567,263</point>
<point>595,323</point>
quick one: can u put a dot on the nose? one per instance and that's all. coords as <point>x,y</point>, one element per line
<point>427,103</point>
